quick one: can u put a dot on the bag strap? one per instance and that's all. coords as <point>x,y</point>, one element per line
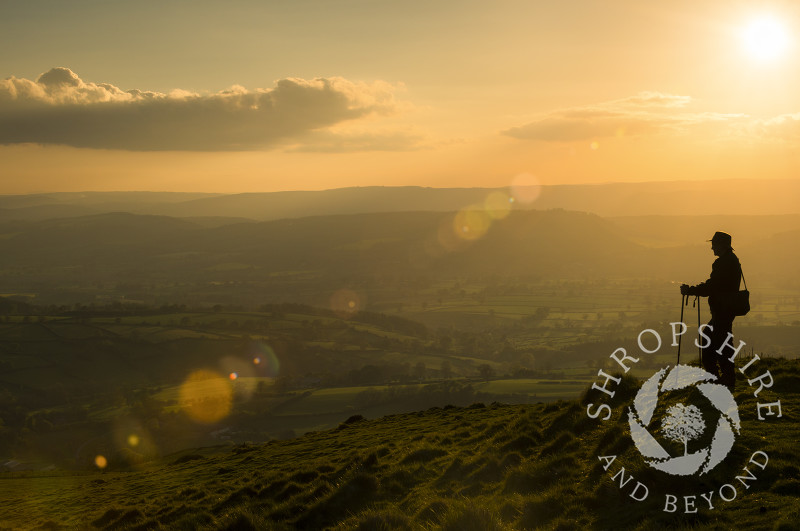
<point>745,282</point>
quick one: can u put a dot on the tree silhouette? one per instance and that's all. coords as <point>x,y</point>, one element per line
<point>420,370</point>
<point>486,371</point>
<point>447,369</point>
<point>683,424</point>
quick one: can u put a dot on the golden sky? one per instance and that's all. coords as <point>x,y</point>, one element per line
<point>244,96</point>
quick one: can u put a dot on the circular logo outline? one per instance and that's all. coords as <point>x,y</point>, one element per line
<point>644,405</point>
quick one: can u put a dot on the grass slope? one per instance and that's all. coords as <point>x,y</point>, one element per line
<point>475,468</point>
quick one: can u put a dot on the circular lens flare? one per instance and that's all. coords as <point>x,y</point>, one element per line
<point>265,361</point>
<point>345,303</point>
<point>236,367</point>
<point>498,205</point>
<point>525,188</point>
<point>471,223</point>
<point>100,462</point>
<point>206,396</point>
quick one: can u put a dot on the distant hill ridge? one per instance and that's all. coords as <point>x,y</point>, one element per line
<point>740,197</point>
<point>391,242</point>
<point>116,248</point>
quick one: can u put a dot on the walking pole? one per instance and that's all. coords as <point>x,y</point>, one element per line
<point>699,348</point>
<point>686,298</point>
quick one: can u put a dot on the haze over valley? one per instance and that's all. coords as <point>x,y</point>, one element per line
<point>381,265</point>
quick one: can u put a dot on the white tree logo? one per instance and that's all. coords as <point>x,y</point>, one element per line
<point>683,423</point>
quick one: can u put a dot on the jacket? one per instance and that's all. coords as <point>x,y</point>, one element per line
<point>726,272</point>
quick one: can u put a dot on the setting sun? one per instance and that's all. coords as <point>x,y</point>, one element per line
<point>765,39</point>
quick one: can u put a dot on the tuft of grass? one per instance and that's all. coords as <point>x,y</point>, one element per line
<point>109,516</point>
<point>540,475</point>
<point>490,471</point>
<point>127,518</point>
<point>432,513</point>
<point>292,489</point>
<point>563,443</point>
<point>247,519</point>
<point>423,455</point>
<point>523,444</point>
<point>236,498</point>
<point>304,476</point>
<point>192,494</point>
<point>351,496</point>
<point>510,460</point>
<point>380,520</point>
<point>462,516</point>
<point>273,488</point>
<point>187,458</point>
<point>354,419</point>
<point>539,511</point>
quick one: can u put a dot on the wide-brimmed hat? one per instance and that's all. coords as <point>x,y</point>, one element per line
<point>721,237</point>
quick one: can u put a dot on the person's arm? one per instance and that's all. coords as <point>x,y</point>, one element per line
<point>704,289</point>
<point>725,274</point>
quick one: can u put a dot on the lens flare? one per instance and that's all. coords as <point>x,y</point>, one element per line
<point>238,365</point>
<point>525,188</point>
<point>233,376</point>
<point>133,443</point>
<point>446,238</point>
<point>206,396</point>
<point>471,223</point>
<point>345,303</point>
<point>265,362</point>
<point>100,462</point>
<point>498,205</point>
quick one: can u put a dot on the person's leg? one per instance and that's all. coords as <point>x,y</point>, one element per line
<point>727,367</point>
<point>709,353</point>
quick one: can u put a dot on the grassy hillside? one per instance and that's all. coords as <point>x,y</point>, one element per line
<point>474,468</point>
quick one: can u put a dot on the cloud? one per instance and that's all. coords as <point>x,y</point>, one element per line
<point>785,127</point>
<point>61,108</point>
<point>643,114</point>
<point>328,141</point>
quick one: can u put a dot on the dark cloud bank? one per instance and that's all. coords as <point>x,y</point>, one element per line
<point>60,108</point>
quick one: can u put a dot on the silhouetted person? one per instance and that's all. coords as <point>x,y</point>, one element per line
<point>720,289</point>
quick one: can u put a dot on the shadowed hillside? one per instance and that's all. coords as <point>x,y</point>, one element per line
<point>112,249</point>
<point>160,259</point>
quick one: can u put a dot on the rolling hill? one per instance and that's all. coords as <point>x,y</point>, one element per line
<point>123,255</point>
<point>475,468</point>
<point>160,260</point>
<point>669,198</point>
